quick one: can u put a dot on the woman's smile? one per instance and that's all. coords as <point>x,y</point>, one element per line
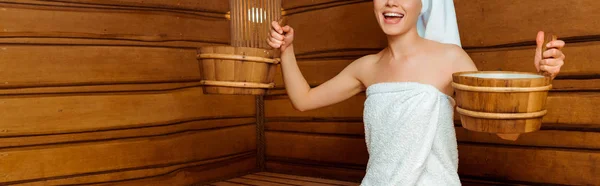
<point>390,17</point>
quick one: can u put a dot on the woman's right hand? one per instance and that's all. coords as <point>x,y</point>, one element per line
<point>280,37</point>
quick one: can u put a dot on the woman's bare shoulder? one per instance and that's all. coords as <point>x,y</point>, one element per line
<point>365,61</point>
<point>461,61</point>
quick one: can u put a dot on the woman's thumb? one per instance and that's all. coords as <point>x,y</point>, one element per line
<point>539,41</point>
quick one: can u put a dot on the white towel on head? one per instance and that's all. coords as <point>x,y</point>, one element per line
<point>437,22</point>
<point>410,137</point>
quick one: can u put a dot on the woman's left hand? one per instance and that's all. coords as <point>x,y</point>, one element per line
<point>550,61</point>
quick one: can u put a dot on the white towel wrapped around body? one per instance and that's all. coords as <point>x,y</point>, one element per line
<point>410,137</point>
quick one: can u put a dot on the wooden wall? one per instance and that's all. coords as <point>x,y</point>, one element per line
<point>498,35</point>
<point>107,92</point>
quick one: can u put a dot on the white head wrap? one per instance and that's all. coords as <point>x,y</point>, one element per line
<point>437,22</point>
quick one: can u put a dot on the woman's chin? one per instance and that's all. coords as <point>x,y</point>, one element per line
<point>392,32</point>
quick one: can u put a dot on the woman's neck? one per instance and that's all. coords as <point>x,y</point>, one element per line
<point>404,44</point>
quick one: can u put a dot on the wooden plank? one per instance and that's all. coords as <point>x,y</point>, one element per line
<point>481,23</point>
<point>205,5</point>
<point>303,178</point>
<point>294,4</point>
<point>569,138</point>
<point>105,42</point>
<point>510,163</point>
<point>42,66</point>
<point>226,184</point>
<point>312,147</point>
<point>315,72</point>
<point>543,138</point>
<point>283,180</point>
<point>302,6</point>
<point>51,21</point>
<point>580,59</point>
<point>282,107</point>
<point>255,182</point>
<point>573,108</point>
<point>324,172</point>
<point>530,164</point>
<point>340,127</point>
<point>181,174</point>
<point>328,33</point>
<point>56,161</point>
<point>88,89</point>
<point>563,108</point>
<point>355,176</point>
<point>488,23</point>
<point>35,115</point>
<point>578,63</point>
<point>22,141</point>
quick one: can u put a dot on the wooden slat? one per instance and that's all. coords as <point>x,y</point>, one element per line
<point>301,6</point>
<point>357,175</point>
<point>41,66</point>
<point>255,182</point>
<point>29,115</point>
<point>58,161</point>
<point>106,42</point>
<point>340,127</point>
<point>329,172</point>
<point>304,178</point>
<point>487,23</point>
<point>205,5</point>
<point>226,184</point>
<point>180,174</point>
<point>530,164</point>
<point>282,180</point>
<point>88,89</point>
<point>294,4</point>
<point>563,108</point>
<point>580,59</point>
<point>571,139</point>
<point>13,142</point>
<point>282,107</point>
<point>315,72</point>
<point>293,152</point>
<point>580,62</point>
<point>481,23</point>
<point>543,138</point>
<point>329,33</point>
<point>53,21</point>
<point>313,147</point>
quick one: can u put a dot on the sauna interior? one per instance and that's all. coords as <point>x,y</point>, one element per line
<point>108,93</point>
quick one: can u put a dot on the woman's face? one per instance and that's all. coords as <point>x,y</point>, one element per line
<point>397,16</point>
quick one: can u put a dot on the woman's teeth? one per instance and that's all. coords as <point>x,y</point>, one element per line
<point>393,15</point>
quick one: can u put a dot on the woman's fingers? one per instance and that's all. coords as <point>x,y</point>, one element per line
<point>275,25</point>
<point>556,44</point>
<point>552,62</point>
<point>553,53</point>
<point>272,44</point>
<point>277,35</point>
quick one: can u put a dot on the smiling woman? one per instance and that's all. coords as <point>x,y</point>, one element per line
<point>112,93</point>
<point>497,35</point>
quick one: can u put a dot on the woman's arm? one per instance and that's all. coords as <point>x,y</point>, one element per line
<point>303,97</point>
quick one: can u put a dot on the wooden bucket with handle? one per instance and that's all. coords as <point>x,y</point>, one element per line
<point>237,70</point>
<point>501,102</point>
<point>247,66</point>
